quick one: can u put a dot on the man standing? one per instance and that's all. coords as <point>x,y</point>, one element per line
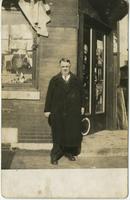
<point>64,105</point>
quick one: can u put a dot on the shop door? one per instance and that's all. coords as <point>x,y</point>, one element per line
<point>94,76</point>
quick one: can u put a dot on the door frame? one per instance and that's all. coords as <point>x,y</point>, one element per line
<point>99,118</point>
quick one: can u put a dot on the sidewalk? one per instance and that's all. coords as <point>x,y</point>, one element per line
<point>105,149</point>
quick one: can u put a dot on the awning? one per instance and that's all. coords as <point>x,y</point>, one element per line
<point>110,11</point>
<point>104,11</point>
<point>36,15</point>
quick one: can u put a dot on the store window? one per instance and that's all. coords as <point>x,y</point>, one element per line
<point>17,49</point>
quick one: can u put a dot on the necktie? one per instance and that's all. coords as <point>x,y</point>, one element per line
<point>65,78</point>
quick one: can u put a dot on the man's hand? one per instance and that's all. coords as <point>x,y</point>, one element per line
<point>82,111</point>
<point>47,114</point>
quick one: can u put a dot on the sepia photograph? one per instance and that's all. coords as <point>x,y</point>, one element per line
<point>64,94</point>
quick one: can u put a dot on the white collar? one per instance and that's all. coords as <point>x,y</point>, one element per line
<point>66,78</point>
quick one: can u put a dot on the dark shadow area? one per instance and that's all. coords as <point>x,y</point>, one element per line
<point>7,156</point>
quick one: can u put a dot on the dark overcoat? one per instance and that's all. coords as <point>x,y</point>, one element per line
<point>64,100</point>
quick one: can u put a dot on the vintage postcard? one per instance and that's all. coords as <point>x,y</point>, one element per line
<point>64,91</point>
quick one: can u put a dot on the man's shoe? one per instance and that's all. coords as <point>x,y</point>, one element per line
<point>54,162</point>
<point>70,157</point>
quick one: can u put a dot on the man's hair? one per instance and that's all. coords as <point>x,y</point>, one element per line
<point>64,60</point>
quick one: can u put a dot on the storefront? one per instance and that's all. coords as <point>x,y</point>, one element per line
<point>77,30</point>
<point>98,60</point>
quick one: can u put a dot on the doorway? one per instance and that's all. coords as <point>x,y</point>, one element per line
<point>92,64</point>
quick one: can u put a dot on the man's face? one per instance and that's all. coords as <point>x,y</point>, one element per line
<point>65,67</point>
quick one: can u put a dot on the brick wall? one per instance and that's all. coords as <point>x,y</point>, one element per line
<point>27,115</point>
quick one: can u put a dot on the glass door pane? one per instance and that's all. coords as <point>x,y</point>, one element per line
<point>87,67</point>
<point>99,73</point>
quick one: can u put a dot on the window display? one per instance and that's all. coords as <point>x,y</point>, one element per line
<point>17,52</point>
<point>93,70</point>
<point>99,73</point>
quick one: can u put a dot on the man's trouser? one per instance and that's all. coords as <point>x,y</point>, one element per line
<point>58,151</point>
